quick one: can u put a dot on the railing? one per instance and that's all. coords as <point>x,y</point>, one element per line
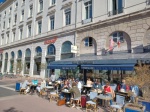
<point>115,12</point>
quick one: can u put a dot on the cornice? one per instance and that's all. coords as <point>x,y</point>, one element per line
<point>5,4</point>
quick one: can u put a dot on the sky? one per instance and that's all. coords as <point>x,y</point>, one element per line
<point>2,0</point>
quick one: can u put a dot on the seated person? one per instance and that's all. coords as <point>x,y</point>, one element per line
<point>97,85</point>
<point>109,91</point>
<point>24,85</point>
<point>38,88</point>
<point>123,85</point>
<point>62,95</point>
<point>89,82</point>
<point>76,93</point>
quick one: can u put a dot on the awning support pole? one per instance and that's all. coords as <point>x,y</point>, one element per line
<point>85,77</point>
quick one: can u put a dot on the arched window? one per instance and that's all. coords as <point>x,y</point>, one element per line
<point>6,55</point>
<point>51,50</point>
<point>28,52</point>
<point>88,42</point>
<point>12,55</point>
<point>38,51</point>
<point>66,47</point>
<point>118,37</point>
<point>19,54</point>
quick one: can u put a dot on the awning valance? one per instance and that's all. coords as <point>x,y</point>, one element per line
<point>61,66</point>
<point>128,67</point>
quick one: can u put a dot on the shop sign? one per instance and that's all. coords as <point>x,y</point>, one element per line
<point>50,41</point>
<point>73,49</point>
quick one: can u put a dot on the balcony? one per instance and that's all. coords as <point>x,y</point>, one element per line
<point>115,12</point>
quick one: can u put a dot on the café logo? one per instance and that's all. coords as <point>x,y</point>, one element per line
<point>50,41</point>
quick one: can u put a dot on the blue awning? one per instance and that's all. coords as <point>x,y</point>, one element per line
<point>127,67</point>
<point>61,66</point>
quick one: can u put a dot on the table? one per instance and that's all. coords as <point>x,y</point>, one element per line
<point>49,87</point>
<point>104,98</point>
<point>126,94</point>
<point>66,92</point>
<point>98,91</point>
<point>87,86</point>
<point>86,89</point>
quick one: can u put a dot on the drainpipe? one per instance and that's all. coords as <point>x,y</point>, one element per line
<point>75,34</point>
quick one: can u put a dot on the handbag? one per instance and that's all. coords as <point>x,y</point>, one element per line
<point>61,102</point>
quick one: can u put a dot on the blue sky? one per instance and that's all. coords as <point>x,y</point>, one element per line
<point>2,0</point>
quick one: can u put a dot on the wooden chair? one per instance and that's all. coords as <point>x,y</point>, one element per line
<point>53,96</point>
<point>119,103</point>
<point>92,104</point>
<point>22,91</point>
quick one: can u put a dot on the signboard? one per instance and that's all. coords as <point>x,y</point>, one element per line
<point>73,49</point>
<point>50,41</point>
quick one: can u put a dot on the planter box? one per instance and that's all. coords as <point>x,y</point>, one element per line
<point>130,107</point>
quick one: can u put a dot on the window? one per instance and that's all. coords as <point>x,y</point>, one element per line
<point>40,5</point>
<point>68,16</point>
<point>16,5</point>
<point>66,47</point>
<point>31,11</point>
<point>29,30</point>
<point>88,9</point>
<point>4,25</point>
<point>9,22</point>
<point>4,14</point>
<point>53,2</point>
<point>52,22</point>
<point>148,2</point>
<point>2,42</point>
<point>10,10</point>
<point>21,31</point>
<point>15,19</point>
<point>118,37</point>
<point>39,27</point>
<point>117,7</point>
<point>22,15</point>
<point>23,2</point>
<point>88,41</point>
<point>13,39</point>
<point>51,50</point>
<point>7,41</point>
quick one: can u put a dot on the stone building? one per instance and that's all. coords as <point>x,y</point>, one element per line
<point>34,33</point>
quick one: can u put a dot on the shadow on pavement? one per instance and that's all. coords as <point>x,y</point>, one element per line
<point>11,109</point>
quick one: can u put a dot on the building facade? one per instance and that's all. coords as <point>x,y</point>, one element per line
<point>33,33</point>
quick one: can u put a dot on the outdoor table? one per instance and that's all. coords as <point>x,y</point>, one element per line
<point>67,93</point>
<point>125,94</point>
<point>98,91</point>
<point>87,88</point>
<point>104,98</point>
<point>49,87</point>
